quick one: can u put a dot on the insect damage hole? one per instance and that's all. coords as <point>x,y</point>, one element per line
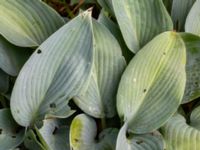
<point>52,105</point>
<point>39,51</point>
<point>139,142</point>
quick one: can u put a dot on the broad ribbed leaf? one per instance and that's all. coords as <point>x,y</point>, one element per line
<point>83,131</point>
<point>168,4</point>
<point>56,72</point>
<point>192,24</point>
<point>4,82</point>
<point>114,29</point>
<point>53,136</point>
<point>195,118</point>
<point>181,136</point>
<point>27,23</point>
<point>150,141</point>
<point>107,5</point>
<point>180,9</point>
<point>141,20</point>
<point>192,90</point>
<point>153,84</point>
<point>10,137</point>
<point>12,58</point>
<point>100,99</point>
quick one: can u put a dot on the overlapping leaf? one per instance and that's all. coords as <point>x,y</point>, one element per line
<point>10,137</point>
<point>27,23</point>
<point>192,24</point>
<point>192,90</point>
<point>53,136</point>
<point>180,9</point>
<point>181,136</point>
<point>58,70</point>
<point>107,5</point>
<point>150,141</point>
<point>100,99</point>
<point>4,82</point>
<point>153,84</point>
<point>141,20</point>
<point>12,58</point>
<point>83,131</point>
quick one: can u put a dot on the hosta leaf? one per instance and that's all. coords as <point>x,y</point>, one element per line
<point>31,141</point>
<point>54,137</point>
<point>150,141</point>
<point>114,29</point>
<point>181,136</point>
<point>141,20</point>
<point>10,137</point>
<point>100,98</point>
<point>153,84</point>
<point>56,72</point>
<point>4,82</point>
<point>12,58</point>
<point>179,12</point>
<point>195,118</point>
<point>83,131</point>
<point>168,4</point>
<point>107,5</point>
<point>192,90</point>
<point>27,23</point>
<point>192,24</point>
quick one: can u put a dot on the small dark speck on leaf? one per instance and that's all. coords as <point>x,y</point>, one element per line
<point>76,140</point>
<point>52,105</point>
<point>39,51</point>
<point>139,142</point>
<point>13,136</point>
<point>144,90</point>
<point>164,53</point>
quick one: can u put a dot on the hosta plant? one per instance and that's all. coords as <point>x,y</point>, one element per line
<point>99,75</point>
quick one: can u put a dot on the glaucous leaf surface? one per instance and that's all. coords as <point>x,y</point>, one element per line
<point>152,86</point>
<point>27,23</point>
<point>149,141</point>
<point>54,136</point>
<point>115,30</point>
<point>57,71</point>
<point>192,90</point>
<point>141,20</point>
<point>12,58</point>
<point>10,137</point>
<point>192,24</point>
<point>100,98</point>
<point>179,135</point>
<point>179,12</point>
<point>83,131</point>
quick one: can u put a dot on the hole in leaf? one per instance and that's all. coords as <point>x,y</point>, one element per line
<point>52,105</point>
<point>144,90</point>
<point>139,142</point>
<point>1,131</point>
<point>39,51</point>
<point>55,129</point>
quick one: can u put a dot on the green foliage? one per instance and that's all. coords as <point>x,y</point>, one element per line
<point>119,75</point>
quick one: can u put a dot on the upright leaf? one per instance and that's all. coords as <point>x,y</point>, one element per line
<point>179,12</point>
<point>27,23</point>
<point>192,24</point>
<point>57,71</point>
<point>192,90</point>
<point>153,84</point>
<point>100,98</point>
<point>149,141</point>
<point>107,5</point>
<point>141,20</point>
<point>83,131</point>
